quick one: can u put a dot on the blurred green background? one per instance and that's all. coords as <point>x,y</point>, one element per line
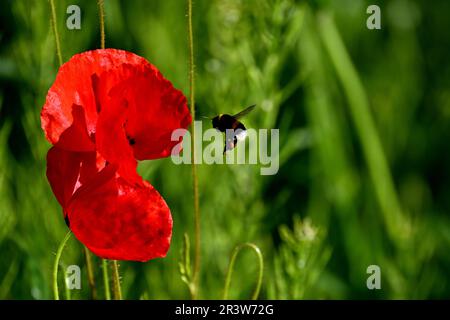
<point>364,120</point>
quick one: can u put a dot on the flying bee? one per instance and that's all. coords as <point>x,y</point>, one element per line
<point>224,122</point>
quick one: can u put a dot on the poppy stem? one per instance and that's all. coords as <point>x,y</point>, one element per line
<point>115,267</point>
<point>56,265</point>
<point>234,255</point>
<point>90,273</point>
<point>67,290</point>
<point>101,14</point>
<point>55,32</point>
<point>117,291</point>
<point>196,278</point>
<point>106,279</point>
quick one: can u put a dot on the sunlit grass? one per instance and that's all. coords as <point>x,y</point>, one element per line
<point>358,159</point>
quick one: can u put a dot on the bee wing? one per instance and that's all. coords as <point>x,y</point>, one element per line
<point>244,112</point>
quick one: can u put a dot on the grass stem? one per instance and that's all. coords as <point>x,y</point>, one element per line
<point>117,291</point>
<point>106,279</point>
<point>234,255</point>
<point>365,127</point>
<point>90,273</point>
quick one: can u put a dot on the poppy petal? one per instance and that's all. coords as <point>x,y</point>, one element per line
<point>155,110</point>
<point>112,142</point>
<point>73,85</point>
<point>67,171</point>
<point>76,138</point>
<point>116,220</point>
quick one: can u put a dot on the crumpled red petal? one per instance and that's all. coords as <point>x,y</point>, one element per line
<point>116,220</point>
<point>112,142</point>
<point>68,170</point>
<point>156,107</point>
<point>76,138</point>
<point>73,86</point>
<point>155,110</point>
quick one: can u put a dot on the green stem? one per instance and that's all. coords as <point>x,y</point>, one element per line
<point>117,291</point>
<point>67,291</point>
<point>115,267</point>
<point>55,32</point>
<point>56,265</point>
<point>101,14</point>
<point>90,273</point>
<point>106,279</point>
<point>197,257</point>
<point>236,251</point>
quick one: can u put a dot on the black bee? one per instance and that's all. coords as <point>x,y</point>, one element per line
<point>222,122</point>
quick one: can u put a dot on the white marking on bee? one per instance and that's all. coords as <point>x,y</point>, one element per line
<point>241,135</point>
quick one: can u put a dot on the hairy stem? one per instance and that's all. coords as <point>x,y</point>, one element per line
<point>101,14</point>
<point>196,272</point>
<point>55,32</point>
<point>234,255</point>
<point>67,291</point>
<point>90,273</point>
<point>117,291</point>
<point>56,265</point>
<point>106,279</point>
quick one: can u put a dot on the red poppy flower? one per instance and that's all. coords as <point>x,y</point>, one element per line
<point>107,109</point>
